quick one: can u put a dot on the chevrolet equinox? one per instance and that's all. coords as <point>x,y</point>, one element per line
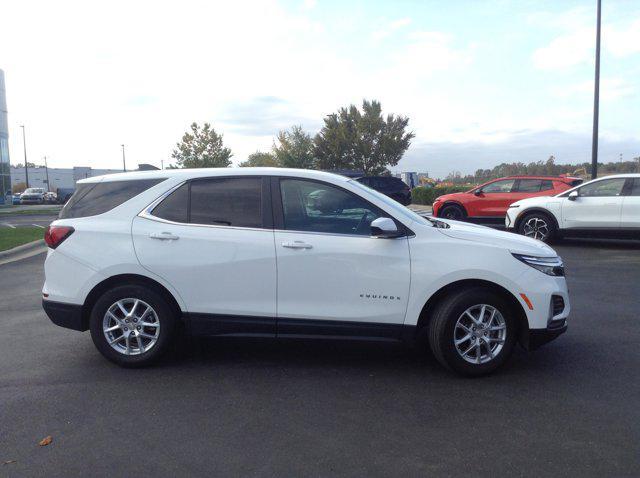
<point>290,253</point>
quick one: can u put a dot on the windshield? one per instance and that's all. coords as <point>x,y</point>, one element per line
<point>34,191</point>
<point>398,208</point>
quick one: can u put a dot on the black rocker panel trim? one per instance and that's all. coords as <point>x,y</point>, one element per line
<point>242,326</point>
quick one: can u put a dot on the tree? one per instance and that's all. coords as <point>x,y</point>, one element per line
<point>29,165</point>
<point>19,188</point>
<point>363,141</point>
<point>294,149</point>
<point>202,148</point>
<point>259,158</point>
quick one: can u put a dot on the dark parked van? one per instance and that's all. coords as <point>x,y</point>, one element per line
<point>395,188</point>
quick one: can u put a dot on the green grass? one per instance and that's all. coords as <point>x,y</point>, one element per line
<point>29,212</point>
<point>10,238</point>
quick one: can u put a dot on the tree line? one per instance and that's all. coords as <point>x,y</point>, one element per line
<point>350,139</point>
<point>543,168</point>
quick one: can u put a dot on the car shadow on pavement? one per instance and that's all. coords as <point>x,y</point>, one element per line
<point>383,358</point>
<point>621,244</point>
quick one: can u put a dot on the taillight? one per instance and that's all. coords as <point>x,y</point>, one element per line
<point>55,235</point>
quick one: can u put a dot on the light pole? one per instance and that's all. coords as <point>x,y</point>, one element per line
<point>124,164</point>
<point>596,101</point>
<point>46,171</point>
<point>26,170</point>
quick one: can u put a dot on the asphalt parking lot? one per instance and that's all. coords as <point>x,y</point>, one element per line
<point>298,408</point>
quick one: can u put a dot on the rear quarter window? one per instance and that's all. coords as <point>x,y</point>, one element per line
<point>546,185</point>
<point>97,198</point>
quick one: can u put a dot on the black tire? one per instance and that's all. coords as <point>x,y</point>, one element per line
<point>166,318</point>
<point>442,330</point>
<point>538,225</point>
<point>453,212</point>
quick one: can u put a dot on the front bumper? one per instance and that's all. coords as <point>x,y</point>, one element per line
<point>510,218</point>
<point>538,337</point>
<point>65,315</point>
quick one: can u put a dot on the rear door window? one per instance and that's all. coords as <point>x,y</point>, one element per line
<point>634,189</point>
<point>92,199</point>
<point>528,185</point>
<point>227,202</point>
<point>546,185</point>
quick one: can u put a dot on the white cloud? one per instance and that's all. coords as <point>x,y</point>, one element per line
<point>623,42</point>
<point>309,4</point>
<point>566,50</point>
<point>611,89</point>
<point>388,29</point>
<point>430,51</point>
<point>576,45</point>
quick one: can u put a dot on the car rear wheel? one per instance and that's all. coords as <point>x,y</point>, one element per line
<point>132,325</point>
<point>538,225</point>
<point>453,211</point>
<point>473,331</point>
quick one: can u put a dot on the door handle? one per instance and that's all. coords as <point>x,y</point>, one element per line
<point>297,245</point>
<point>163,236</point>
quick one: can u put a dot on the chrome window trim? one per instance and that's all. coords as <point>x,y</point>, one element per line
<point>146,214</point>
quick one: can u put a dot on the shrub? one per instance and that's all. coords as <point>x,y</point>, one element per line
<point>422,195</point>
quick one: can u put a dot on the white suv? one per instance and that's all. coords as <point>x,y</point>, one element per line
<point>290,253</point>
<point>605,206</point>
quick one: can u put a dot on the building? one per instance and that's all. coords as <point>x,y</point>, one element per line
<point>412,179</point>
<point>5,175</point>
<point>58,177</point>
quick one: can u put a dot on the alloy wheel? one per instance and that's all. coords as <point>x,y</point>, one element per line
<point>452,213</point>
<point>131,326</point>
<point>537,228</point>
<point>480,334</point>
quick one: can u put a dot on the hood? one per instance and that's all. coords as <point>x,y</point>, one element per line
<point>506,240</point>
<point>446,197</point>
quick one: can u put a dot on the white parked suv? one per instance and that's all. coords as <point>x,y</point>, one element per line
<point>608,206</point>
<point>32,196</point>
<point>290,253</point>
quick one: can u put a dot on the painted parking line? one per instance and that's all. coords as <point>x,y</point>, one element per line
<point>38,225</point>
<point>8,225</point>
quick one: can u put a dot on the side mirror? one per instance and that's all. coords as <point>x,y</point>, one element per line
<point>384,228</point>
<point>477,192</point>
<point>573,195</point>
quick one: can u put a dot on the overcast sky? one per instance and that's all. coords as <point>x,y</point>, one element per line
<point>482,82</point>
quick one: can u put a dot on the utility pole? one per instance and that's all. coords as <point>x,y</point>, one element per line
<point>46,171</point>
<point>596,101</point>
<point>124,164</point>
<point>26,170</point>
<point>162,164</point>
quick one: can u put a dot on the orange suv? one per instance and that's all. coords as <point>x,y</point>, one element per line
<point>489,201</point>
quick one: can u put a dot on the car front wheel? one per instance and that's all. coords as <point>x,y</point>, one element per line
<point>538,225</point>
<point>132,325</point>
<point>453,211</point>
<point>472,331</point>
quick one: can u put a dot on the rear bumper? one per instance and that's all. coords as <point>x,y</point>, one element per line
<point>538,337</point>
<point>65,315</point>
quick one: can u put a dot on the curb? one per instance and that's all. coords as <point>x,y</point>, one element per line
<point>30,246</point>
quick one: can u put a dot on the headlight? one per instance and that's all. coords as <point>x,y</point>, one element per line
<point>552,266</point>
